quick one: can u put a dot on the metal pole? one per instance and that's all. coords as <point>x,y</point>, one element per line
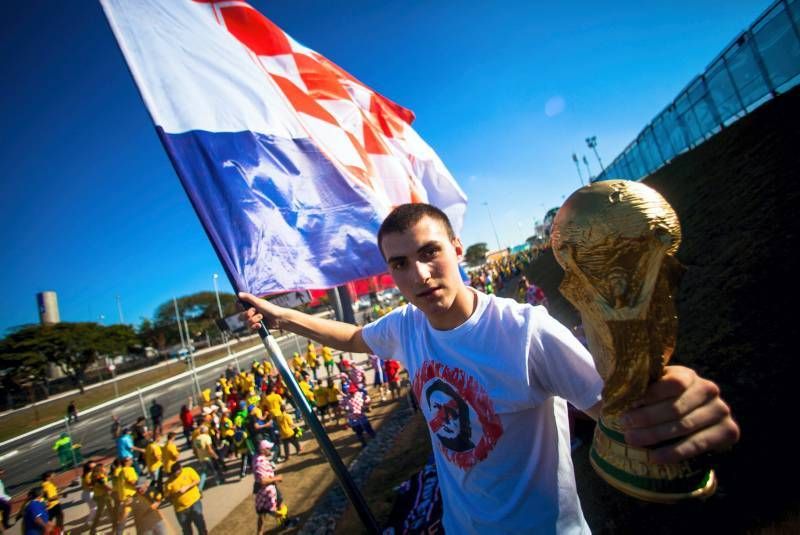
<point>325,444</point>
<point>178,320</point>
<point>588,171</point>
<point>119,311</point>
<point>222,317</point>
<point>114,379</point>
<point>141,401</point>
<point>491,220</point>
<point>578,167</point>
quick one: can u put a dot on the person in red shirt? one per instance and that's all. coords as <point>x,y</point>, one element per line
<point>392,368</point>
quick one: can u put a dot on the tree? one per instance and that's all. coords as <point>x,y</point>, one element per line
<point>73,347</point>
<point>476,254</point>
<point>21,363</point>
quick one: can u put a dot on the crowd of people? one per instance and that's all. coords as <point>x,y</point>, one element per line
<point>247,423</point>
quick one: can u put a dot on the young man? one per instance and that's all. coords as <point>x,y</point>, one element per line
<point>52,499</point>
<point>35,520</point>
<point>183,491</point>
<point>492,376</point>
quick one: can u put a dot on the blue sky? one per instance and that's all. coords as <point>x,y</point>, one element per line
<point>504,92</point>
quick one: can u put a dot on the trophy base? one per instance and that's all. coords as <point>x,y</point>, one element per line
<point>629,470</point>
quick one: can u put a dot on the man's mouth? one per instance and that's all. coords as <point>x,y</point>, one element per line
<point>428,292</point>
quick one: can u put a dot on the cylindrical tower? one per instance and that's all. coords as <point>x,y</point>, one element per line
<point>48,308</point>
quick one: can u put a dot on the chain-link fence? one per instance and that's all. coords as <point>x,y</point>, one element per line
<point>759,64</point>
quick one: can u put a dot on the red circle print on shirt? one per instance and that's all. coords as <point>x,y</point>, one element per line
<point>459,413</point>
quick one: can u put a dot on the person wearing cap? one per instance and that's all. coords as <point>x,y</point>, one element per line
<point>312,359</point>
<point>288,433</point>
<point>268,499</point>
<point>184,490</point>
<point>328,361</point>
<point>298,362</point>
<point>354,404</point>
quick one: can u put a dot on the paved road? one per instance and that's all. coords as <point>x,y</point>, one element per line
<point>24,461</point>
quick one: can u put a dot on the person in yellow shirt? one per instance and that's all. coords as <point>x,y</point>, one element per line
<point>321,396</point>
<point>311,358</point>
<point>103,497</point>
<point>153,458</point>
<point>170,453</point>
<point>288,432</point>
<point>87,494</point>
<point>51,497</point>
<point>333,400</point>
<point>306,388</point>
<point>298,362</point>
<point>183,491</point>
<point>126,490</point>
<point>274,401</point>
<point>327,360</point>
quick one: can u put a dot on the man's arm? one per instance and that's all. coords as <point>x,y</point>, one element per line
<point>680,405</point>
<point>342,336</point>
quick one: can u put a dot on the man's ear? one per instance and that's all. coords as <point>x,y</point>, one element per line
<point>459,247</point>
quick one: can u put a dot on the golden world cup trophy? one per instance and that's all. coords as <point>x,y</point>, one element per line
<point>616,241</point>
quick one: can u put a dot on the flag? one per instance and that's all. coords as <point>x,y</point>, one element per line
<point>290,162</point>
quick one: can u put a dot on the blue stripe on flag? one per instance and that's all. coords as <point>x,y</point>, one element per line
<point>279,214</point>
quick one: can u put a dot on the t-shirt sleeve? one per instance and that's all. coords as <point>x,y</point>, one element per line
<point>558,362</point>
<point>383,335</point>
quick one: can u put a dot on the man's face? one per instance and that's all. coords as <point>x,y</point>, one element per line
<point>423,261</point>
<point>445,422</point>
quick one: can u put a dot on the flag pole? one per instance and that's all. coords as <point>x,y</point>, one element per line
<point>325,444</point>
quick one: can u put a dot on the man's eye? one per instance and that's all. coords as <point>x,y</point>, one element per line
<point>430,253</point>
<point>397,265</point>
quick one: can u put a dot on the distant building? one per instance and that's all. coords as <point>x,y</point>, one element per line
<point>47,303</point>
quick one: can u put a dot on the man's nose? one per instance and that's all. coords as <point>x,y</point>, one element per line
<point>423,271</point>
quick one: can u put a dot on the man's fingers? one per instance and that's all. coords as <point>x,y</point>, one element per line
<point>701,417</point>
<point>670,399</point>
<point>716,438</point>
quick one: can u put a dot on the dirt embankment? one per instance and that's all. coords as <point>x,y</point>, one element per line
<point>737,198</point>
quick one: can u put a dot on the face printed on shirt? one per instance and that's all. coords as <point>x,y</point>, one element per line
<point>459,413</point>
<point>451,417</point>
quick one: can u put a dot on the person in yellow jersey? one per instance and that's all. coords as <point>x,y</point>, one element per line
<point>183,491</point>
<point>102,490</point>
<point>51,497</point>
<point>333,400</point>
<point>298,363</point>
<point>126,490</point>
<point>327,360</point>
<point>170,453</point>
<point>153,458</point>
<point>321,396</point>
<point>311,358</point>
<point>288,431</point>
<point>87,493</point>
<point>274,401</point>
<point>306,388</point>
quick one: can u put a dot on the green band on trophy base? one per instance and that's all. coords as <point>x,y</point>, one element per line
<point>628,469</point>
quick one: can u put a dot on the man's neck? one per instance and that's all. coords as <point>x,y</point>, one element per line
<point>463,307</point>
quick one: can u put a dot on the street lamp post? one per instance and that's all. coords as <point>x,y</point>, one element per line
<point>222,318</point>
<point>588,171</point>
<point>577,166</point>
<point>591,142</point>
<point>491,220</point>
<point>119,311</point>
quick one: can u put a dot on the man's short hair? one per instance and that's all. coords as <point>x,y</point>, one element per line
<point>405,216</point>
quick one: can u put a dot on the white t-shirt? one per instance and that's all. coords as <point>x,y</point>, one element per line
<point>493,391</point>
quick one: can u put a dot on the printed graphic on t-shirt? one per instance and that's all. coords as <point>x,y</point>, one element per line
<point>459,413</point>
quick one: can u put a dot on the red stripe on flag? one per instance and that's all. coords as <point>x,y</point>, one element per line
<point>322,83</point>
<point>255,31</point>
<point>301,101</point>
